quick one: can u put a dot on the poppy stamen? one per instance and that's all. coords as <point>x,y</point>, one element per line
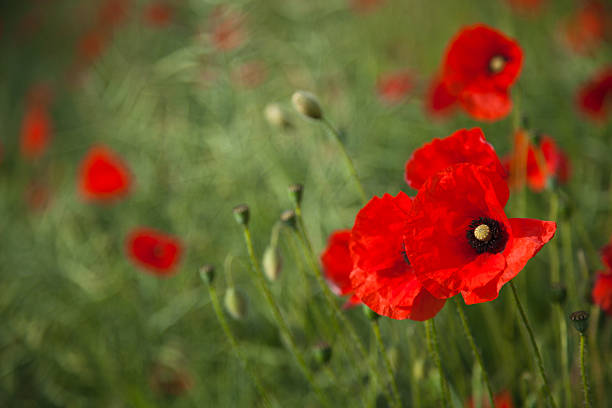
<point>486,235</point>
<point>497,64</point>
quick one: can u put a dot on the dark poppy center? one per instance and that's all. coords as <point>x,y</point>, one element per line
<point>486,235</point>
<point>497,64</point>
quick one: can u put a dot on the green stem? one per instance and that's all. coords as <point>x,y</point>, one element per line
<point>434,350</point>
<point>583,374</point>
<point>536,350</point>
<point>387,363</point>
<point>470,337</point>
<point>567,385</point>
<point>234,343</point>
<point>286,333</point>
<point>347,159</point>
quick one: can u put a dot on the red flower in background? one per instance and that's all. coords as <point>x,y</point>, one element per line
<point>365,6</point>
<point>595,98</point>
<point>602,292</point>
<point>501,400</point>
<point>393,88</point>
<point>459,240</point>
<point>337,265</point>
<point>439,101</point>
<point>479,67</point>
<point>153,250</point>
<point>103,176</point>
<point>382,276</point>
<point>158,14</point>
<point>463,146</point>
<point>587,28</point>
<point>35,131</point>
<point>228,32</point>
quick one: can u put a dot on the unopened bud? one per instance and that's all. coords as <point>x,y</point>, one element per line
<point>322,353</point>
<point>296,191</point>
<point>558,293</point>
<point>276,116</point>
<point>369,313</point>
<point>235,304</point>
<point>272,263</point>
<point>207,273</point>
<point>289,219</point>
<point>307,104</point>
<point>580,320</point>
<point>241,214</point>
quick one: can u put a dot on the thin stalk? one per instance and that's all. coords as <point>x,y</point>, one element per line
<point>347,159</point>
<point>280,321</point>
<point>536,350</point>
<point>234,343</point>
<point>470,337</point>
<point>567,385</point>
<point>434,350</point>
<point>583,374</point>
<point>387,363</point>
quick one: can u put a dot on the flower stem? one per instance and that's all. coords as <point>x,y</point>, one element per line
<point>583,374</point>
<point>349,163</point>
<point>280,321</point>
<point>470,337</point>
<point>564,357</point>
<point>214,299</point>
<point>387,363</point>
<point>432,344</point>
<point>536,350</point>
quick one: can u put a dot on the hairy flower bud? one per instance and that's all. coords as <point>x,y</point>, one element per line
<point>276,116</point>
<point>235,303</point>
<point>307,104</point>
<point>272,263</point>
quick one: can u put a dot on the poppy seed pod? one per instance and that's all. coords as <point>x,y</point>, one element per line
<point>307,104</point>
<point>580,320</point>
<point>207,273</point>
<point>276,116</point>
<point>296,192</point>
<point>272,263</point>
<point>235,303</point>
<point>241,214</point>
<point>289,219</point>
<point>322,353</point>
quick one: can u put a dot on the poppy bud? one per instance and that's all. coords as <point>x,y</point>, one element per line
<point>272,263</point>
<point>558,293</point>
<point>296,191</point>
<point>235,304</point>
<point>288,218</point>
<point>276,116</point>
<point>207,273</point>
<point>580,320</point>
<point>307,104</point>
<point>322,353</point>
<point>241,214</point>
<point>369,313</point>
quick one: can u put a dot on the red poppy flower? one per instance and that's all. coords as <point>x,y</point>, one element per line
<point>595,98</point>
<point>501,400</point>
<point>556,160</point>
<point>463,146</point>
<point>459,240</point>
<point>392,88</point>
<point>479,67</point>
<point>365,6</point>
<point>155,251</point>
<point>35,131</point>
<point>602,292</point>
<point>382,276</point>
<point>337,265</point>
<point>587,28</point>
<point>103,176</point>
<point>228,31</point>
<point>158,14</point>
<point>439,101</point>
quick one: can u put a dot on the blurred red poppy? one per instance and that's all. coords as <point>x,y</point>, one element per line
<point>392,88</point>
<point>228,32</point>
<point>35,131</point>
<point>479,67</point>
<point>602,292</point>
<point>501,400</point>
<point>439,101</point>
<point>459,240</point>
<point>155,251</point>
<point>588,27</point>
<point>158,14</point>
<point>103,175</point>
<point>337,265</point>
<point>463,146</point>
<point>595,98</point>
<point>382,275</point>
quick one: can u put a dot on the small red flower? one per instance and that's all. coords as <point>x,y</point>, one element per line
<point>479,67</point>
<point>337,265</point>
<point>382,276</point>
<point>35,131</point>
<point>501,400</point>
<point>103,176</point>
<point>602,292</point>
<point>158,14</point>
<point>439,101</point>
<point>155,251</point>
<point>463,146</point>
<point>459,240</point>
<point>392,88</point>
<point>556,160</point>
<point>595,98</point>
<point>587,28</point>
<point>365,6</point>
<point>228,32</point>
